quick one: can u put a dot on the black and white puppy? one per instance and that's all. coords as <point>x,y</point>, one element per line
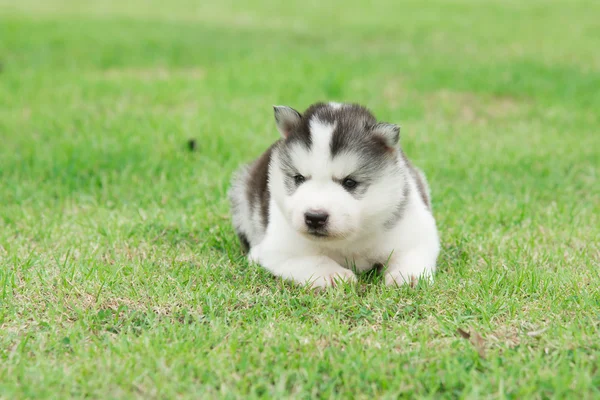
<point>336,195</point>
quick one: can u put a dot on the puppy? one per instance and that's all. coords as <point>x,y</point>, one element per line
<point>335,196</point>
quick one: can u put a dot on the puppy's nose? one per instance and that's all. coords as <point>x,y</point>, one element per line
<point>315,219</point>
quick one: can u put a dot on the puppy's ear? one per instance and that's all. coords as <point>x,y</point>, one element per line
<point>287,119</point>
<point>390,133</point>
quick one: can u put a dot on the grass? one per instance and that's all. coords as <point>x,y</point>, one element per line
<point>120,275</point>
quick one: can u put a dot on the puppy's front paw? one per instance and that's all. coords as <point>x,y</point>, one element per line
<point>397,278</point>
<point>332,278</point>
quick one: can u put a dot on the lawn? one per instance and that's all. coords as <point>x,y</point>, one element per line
<point>120,274</point>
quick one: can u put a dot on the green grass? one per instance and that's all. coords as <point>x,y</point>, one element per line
<point>120,275</point>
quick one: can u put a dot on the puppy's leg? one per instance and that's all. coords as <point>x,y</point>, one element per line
<point>415,253</point>
<point>411,266</point>
<point>314,270</point>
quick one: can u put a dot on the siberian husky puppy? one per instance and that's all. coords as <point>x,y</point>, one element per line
<point>335,196</point>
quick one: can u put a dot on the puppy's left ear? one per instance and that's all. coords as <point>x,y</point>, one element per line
<point>390,133</point>
<point>287,119</point>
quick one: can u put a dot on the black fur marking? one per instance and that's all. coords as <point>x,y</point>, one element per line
<point>421,186</point>
<point>400,208</point>
<point>301,133</point>
<point>354,134</point>
<point>353,131</point>
<point>244,242</point>
<point>257,189</point>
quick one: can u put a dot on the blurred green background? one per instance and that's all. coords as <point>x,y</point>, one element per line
<point>121,277</point>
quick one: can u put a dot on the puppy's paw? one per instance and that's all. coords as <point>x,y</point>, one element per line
<point>397,278</point>
<point>253,255</point>
<point>333,278</point>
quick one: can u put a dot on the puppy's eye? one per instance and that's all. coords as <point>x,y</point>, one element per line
<point>349,183</point>
<point>299,179</point>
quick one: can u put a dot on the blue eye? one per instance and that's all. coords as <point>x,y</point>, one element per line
<point>349,183</point>
<point>299,179</point>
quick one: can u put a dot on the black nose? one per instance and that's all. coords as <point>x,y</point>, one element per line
<point>315,219</point>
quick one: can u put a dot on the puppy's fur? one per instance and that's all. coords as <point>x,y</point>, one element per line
<point>334,196</point>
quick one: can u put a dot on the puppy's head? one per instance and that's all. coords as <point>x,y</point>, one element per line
<point>336,174</point>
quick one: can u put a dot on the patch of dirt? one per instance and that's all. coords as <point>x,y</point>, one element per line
<point>505,336</point>
<point>476,340</point>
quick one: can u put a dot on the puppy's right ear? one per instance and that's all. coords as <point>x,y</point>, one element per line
<point>287,119</point>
